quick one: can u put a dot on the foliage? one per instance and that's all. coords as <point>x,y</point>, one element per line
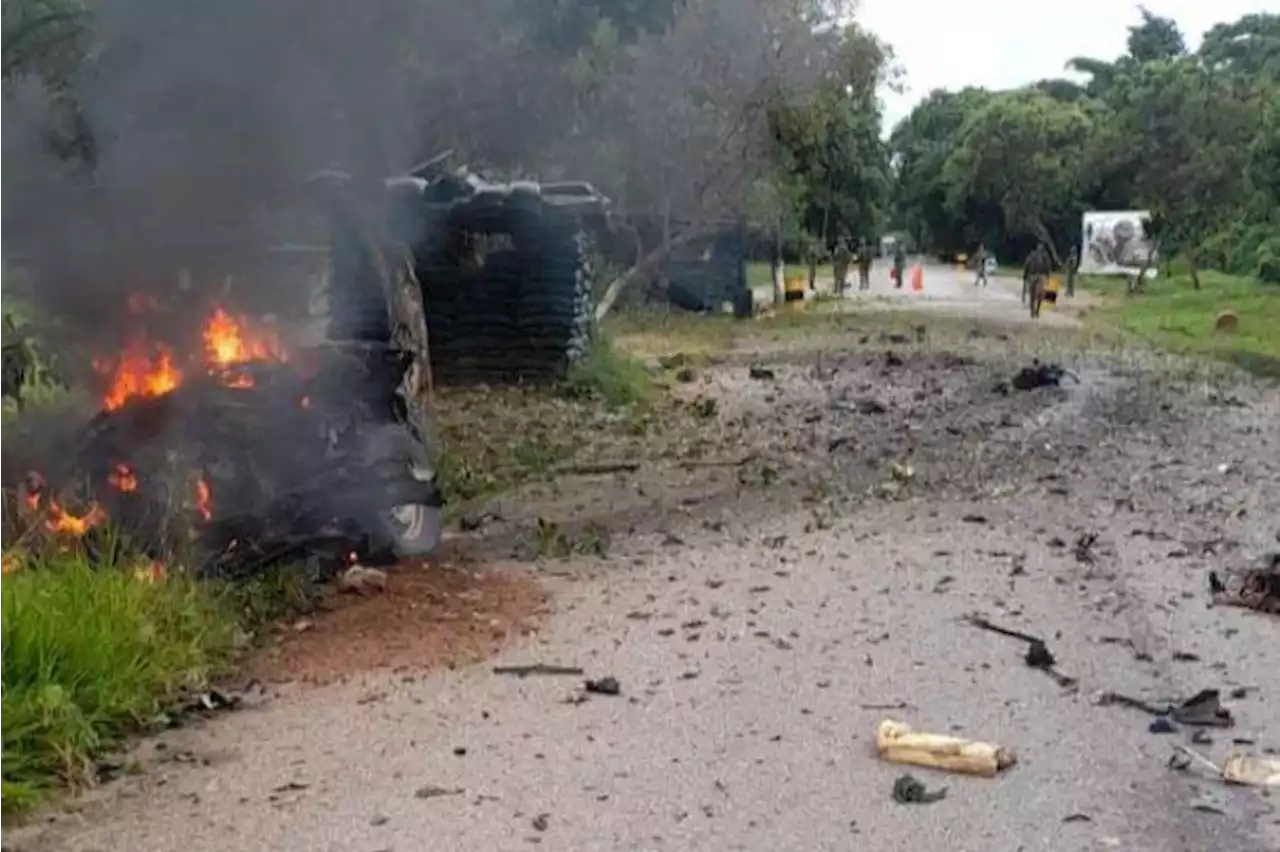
<point>91,654</point>
<point>1192,137</point>
<point>608,375</point>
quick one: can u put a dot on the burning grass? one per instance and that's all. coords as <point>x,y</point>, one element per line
<point>91,654</point>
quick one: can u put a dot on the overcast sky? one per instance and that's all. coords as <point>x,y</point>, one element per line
<point>1000,44</point>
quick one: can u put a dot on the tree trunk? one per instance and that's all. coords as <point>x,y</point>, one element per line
<point>813,271</point>
<point>1141,280</point>
<point>1195,269</point>
<point>646,266</point>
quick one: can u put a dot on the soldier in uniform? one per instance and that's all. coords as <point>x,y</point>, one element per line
<point>980,258</point>
<point>840,266</point>
<point>1034,274</point>
<point>864,265</point>
<point>899,264</point>
<point>1073,267</point>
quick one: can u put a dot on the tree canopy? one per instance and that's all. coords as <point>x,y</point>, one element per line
<point>1189,136</point>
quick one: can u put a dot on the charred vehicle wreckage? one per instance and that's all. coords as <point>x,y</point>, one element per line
<point>257,447</point>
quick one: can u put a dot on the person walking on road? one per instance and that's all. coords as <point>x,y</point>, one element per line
<point>980,258</point>
<point>1073,267</point>
<point>864,265</point>
<point>899,264</point>
<point>840,266</point>
<point>1034,273</point>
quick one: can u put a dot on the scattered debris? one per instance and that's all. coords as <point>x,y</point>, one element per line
<point>1038,655</point>
<point>1162,725</point>
<point>1242,769</point>
<point>974,518</point>
<point>907,790</point>
<point>537,669</point>
<point>360,580</point>
<point>1077,818</point>
<point>1040,375</point>
<point>541,822</point>
<point>761,373</point>
<point>1203,709</point>
<point>1251,771</point>
<point>1256,587</point>
<point>1083,548</point>
<point>897,743</point>
<point>432,791</point>
<point>607,685</point>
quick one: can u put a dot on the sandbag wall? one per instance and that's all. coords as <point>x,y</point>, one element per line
<point>521,311</point>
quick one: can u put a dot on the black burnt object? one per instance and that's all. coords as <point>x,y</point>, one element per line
<point>298,465</point>
<point>323,456</point>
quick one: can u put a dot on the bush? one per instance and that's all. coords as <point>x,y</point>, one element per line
<point>1266,260</point>
<point>91,655</point>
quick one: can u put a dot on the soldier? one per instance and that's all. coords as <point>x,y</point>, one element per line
<point>840,265</point>
<point>1034,273</point>
<point>1073,266</point>
<point>864,265</point>
<point>899,264</point>
<point>980,257</point>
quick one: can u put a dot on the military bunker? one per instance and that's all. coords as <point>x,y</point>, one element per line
<point>504,270</point>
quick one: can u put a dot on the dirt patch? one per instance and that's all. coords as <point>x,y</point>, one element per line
<point>428,616</point>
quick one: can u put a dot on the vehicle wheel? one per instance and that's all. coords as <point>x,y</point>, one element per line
<point>414,529</point>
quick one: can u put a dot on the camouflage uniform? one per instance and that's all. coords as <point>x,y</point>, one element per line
<point>1073,266</point>
<point>899,265</point>
<point>1034,273</point>
<point>864,266</point>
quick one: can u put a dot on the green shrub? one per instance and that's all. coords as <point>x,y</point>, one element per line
<point>1266,260</point>
<point>608,375</point>
<point>91,655</point>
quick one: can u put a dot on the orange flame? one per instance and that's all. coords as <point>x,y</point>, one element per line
<point>204,498</point>
<point>149,368</point>
<point>229,341</point>
<point>122,478</point>
<point>139,372</point>
<point>62,521</point>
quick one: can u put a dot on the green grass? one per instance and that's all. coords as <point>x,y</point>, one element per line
<point>609,375</point>
<point>760,276</point>
<point>91,655</point>
<point>1171,314</point>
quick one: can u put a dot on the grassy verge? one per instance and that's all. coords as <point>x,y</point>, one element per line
<point>92,654</point>
<point>1171,314</point>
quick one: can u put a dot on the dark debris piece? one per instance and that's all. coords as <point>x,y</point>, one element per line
<point>607,685</point>
<point>1039,376</point>
<point>908,790</point>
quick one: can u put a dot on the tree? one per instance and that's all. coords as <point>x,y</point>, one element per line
<point>919,148</point>
<point>683,131</point>
<point>1155,38</point>
<point>1021,154</point>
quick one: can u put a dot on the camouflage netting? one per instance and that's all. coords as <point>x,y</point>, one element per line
<point>504,270</point>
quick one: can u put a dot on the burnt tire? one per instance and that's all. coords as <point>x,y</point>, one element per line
<point>412,530</point>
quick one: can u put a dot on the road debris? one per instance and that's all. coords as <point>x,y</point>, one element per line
<point>607,685</point>
<point>360,580</point>
<point>761,373</point>
<point>538,669</point>
<point>1038,655</point>
<point>1242,769</point>
<point>1256,587</point>
<point>433,791</point>
<point>1040,376</point>
<point>907,790</point>
<point>897,743</point>
<point>1203,709</point>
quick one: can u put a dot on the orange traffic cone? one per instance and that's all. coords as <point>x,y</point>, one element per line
<point>917,278</point>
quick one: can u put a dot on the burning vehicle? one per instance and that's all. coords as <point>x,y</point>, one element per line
<point>248,441</point>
